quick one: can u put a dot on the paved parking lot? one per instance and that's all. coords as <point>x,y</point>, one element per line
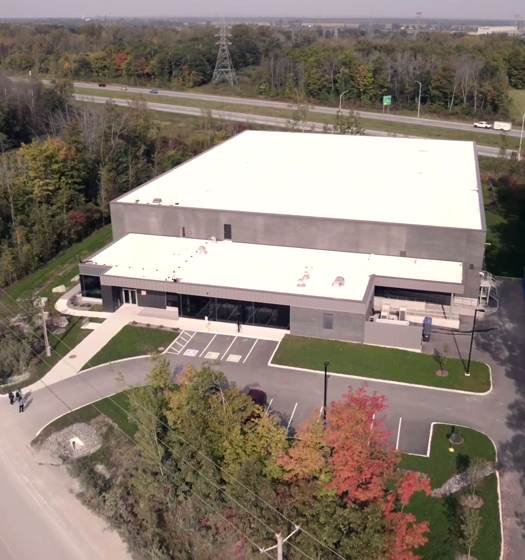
<point>223,348</point>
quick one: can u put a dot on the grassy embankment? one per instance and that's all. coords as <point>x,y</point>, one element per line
<point>61,270</point>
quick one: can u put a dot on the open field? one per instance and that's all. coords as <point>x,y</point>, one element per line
<point>442,513</point>
<point>368,124</point>
<point>379,363</point>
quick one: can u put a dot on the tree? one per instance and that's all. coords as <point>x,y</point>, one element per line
<point>471,524</point>
<point>348,124</point>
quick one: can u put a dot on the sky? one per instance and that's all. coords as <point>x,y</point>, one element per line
<point>473,9</point>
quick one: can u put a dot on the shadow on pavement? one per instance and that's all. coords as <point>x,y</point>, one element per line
<point>503,338</point>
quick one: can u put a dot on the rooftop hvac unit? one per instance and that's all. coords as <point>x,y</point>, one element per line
<point>202,250</point>
<point>385,312</point>
<point>402,313</point>
<point>157,200</point>
<point>213,239</point>
<point>339,282</point>
<point>300,283</point>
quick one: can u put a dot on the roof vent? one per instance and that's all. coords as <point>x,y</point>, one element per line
<point>202,249</point>
<point>213,239</point>
<point>157,200</point>
<point>137,200</point>
<point>306,275</point>
<point>339,282</point>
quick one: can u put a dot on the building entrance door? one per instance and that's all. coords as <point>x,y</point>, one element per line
<point>129,296</point>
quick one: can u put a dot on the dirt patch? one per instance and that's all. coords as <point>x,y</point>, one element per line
<point>157,327</point>
<point>442,373</point>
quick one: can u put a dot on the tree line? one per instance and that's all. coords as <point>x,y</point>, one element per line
<point>62,163</point>
<point>459,74</point>
<point>214,476</point>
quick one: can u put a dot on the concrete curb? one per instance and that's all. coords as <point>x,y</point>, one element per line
<point>70,411</point>
<point>388,381</point>
<point>496,472</point>
<point>115,362</point>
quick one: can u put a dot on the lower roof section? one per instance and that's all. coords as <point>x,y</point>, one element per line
<point>265,268</point>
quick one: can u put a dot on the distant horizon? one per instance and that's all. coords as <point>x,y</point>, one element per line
<point>505,10</point>
<point>509,21</point>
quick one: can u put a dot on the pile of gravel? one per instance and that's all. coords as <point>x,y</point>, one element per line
<point>460,481</point>
<point>59,443</point>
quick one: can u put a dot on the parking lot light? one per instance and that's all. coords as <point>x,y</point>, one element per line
<point>326,364</point>
<point>478,310</point>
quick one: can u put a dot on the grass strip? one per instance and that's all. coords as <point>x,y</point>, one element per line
<point>380,363</point>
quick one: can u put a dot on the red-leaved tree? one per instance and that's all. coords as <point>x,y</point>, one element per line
<point>352,458</point>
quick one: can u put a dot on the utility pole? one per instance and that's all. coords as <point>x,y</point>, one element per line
<point>40,303</point>
<point>419,100</point>
<point>280,544</point>
<point>224,67</point>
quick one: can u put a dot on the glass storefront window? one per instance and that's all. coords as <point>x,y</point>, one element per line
<point>172,300</point>
<point>90,286</point>
<point>232,311</point>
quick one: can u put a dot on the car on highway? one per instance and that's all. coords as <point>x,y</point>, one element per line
<point>154,91</point>
<point>101,85</point>
<point>482,124</point>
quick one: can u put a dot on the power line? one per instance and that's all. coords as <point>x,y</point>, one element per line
<point>136,443</point>
<point>196,450</point>
<point>160,441</point>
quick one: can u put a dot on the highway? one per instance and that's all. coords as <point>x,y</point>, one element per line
<point>246,118</point>
<point>280,105</point>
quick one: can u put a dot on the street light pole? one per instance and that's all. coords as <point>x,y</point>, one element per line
<point>521,136</point>
<point>326,364</point>
<point>419,100</point>
<point>478,310</point>
<point>341,100</point>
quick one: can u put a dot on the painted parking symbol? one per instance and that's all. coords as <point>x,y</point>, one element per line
<point>212,355</point>
<point>233,358</point>
<point>191,353</point>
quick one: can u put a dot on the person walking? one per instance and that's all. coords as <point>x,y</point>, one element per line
<point>20,403</point>
<point>11,397</point>
<point>18,394</point>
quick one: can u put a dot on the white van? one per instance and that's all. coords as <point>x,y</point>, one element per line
<point>498,125</point>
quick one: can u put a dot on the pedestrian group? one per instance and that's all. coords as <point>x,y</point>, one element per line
<point>19,398</point>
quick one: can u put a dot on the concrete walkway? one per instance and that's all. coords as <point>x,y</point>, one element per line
<point>79,356</point>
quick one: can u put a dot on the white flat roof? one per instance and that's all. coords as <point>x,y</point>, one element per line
<point>263,267</point>
<point>393,180</point>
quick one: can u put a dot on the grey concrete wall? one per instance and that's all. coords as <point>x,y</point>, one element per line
<point>309,322</point>
<point>390,334</point>
<point>466,246</point>
<point>151,299</point>
<point>111,298</point>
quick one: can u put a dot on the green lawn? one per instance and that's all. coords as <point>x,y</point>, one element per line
<point>58,271</point>
<point>132,341</point>
<point>517,107</point>
<point>110,406</point>
<point>442,513</point>
<point>393,128</point>
<point>379,363</point>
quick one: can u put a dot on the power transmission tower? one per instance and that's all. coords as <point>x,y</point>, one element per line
<point>224,67</point>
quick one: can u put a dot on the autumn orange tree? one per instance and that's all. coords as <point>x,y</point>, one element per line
<point>349,470</point>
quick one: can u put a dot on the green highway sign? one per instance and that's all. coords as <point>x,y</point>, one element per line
<point>387,100</point>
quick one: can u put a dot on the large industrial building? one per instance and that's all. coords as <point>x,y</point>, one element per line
<point>344,237</point>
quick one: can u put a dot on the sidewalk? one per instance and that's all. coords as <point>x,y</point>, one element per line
<point>75,359</point>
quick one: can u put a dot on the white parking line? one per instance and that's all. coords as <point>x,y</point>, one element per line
<point>250,350</point>
<point>182,346</point>
<point>202,353</point>
<point>228,348</point>
<point>398,433</point>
